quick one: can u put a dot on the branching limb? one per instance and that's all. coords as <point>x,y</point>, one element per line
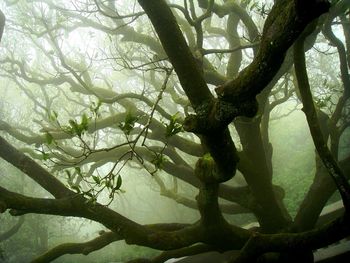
<point>340,7</point>
<point>157,128</point>
<point>319,193</point>
<point>188,251</point>
<point>284,24</point>
<point>21,204</point>
<point>13,230</point>
<point>33,170</point>
<point>259,244</point>
<point>177,50</point>
<point>159,236</point>
<point>232,7</point>
<point>169,193</point>
<point>212,222</point>
<point>78,248</point>
<point>316,133</point>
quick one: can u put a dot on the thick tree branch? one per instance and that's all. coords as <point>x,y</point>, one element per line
<point>231,7</point>
<point>188,251</point>
<point>78,248</point>
<point>86,248</point>
<point>20,204</point>
<point>241,195</point>
<point>33,170</point>
<point>259,244</point>
<point>224,208</point>
<point>286,21</point>
<point>178,52</point>
<point>319,193</point>
<point>164,237</point>
<point>220,145</point>
<point>207,198</point>
<point>13,230</point>
<point>309,109</point>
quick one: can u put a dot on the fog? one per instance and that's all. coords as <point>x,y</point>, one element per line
<point>130,136</point>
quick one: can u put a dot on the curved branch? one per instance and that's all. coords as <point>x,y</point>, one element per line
<point>13,230</point>
<point>232,7</point>
<point>163,236</point>
<point>308,107</point>
<point>33,170</point>
<point>177,50</point>
<point>95,244</point>
<point>158,133</point>
<point>2,23</point>
<point>284,24</point>
<point>230,50</point>
<point>344,72</point>
<point>78,248</point>
<point>241,195</point>
<point>178,198</point>
<point>259,244</point>
<point>188,251</point>
<point>21,204</point>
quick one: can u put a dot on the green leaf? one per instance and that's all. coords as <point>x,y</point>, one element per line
<point>78,170</point>
<point>129,123</point>
<point>84,125</point>
<point>96,179</point>
<point>119,183</point>
<point>49,138</point>
<point>45,156</point>
<point>174,126</point>
<point>95,107</point>
<point>78,129</point>
<point>52,116</point>
<point>75,127</point>
<point>158,161</point>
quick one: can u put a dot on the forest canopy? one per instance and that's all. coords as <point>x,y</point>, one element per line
<point>171,125</point>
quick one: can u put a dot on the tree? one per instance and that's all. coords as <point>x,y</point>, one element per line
<point>171,88</point>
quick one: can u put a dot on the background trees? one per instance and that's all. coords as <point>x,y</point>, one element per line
<point>184,93</point>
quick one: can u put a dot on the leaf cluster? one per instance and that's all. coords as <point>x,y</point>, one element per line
<point>108,182</point>
<point>79,128</point>
<point>95,108</point>
<point>129,123</point>
<point>174,126</point>
<point>158,160</point>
